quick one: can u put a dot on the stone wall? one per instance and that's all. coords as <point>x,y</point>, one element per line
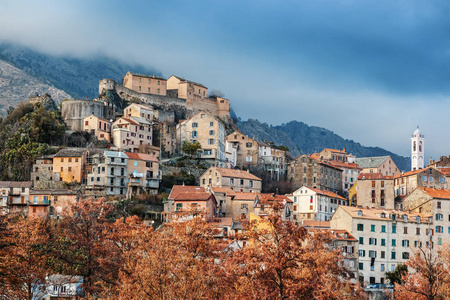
<point>74,111</point>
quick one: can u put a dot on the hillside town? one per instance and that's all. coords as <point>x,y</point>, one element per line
<point>172,147</point>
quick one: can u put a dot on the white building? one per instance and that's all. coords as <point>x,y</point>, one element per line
<point>417,150</point>
<point>109,171</point>
<point>386,238</point>
<point>272,160</point>
<point>130,133</point>
<point>314,204</point>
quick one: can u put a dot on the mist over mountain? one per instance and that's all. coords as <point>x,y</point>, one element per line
<point>78,77</point>
<point>301,138</point>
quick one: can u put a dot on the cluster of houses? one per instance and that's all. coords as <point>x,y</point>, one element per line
<point>377,214</point>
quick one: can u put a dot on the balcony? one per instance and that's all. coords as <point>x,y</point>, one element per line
<point>41,202</point>
<point>136,175</point>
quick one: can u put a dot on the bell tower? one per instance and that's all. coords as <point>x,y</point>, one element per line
<point>417,150</point>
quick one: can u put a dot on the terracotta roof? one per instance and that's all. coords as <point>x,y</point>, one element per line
<point>326,163</point>
<point>436,193</point>
<point>339,234</point>
<point>414,172</point>
<point>235,173</point>
<point>375,214</point>
<point>225,221</point>
<point>265,198</point>
<point>224,190</point>
<point>314,223</point>
<point>189,196</point>
<point>445,171</point>
<point>335,150</point>
<point>245,196</point>
<point>141,156</point>
<point>327,193</point>
<point>373,176</point>
<point>129,121</point>
<point>176,189</point>
<point>345,165</point>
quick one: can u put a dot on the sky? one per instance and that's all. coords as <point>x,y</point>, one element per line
<point>371,71</point>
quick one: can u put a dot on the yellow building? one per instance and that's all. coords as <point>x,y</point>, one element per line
<point>206,129</point>
<point>70,164</point>
<point>146,84</point>
<point>99,127</point>
<point>139,110</point>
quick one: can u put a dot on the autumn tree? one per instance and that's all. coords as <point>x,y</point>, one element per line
<point>283,261</point>
<point>80,245</point>
<point>175,262</point>
<point>428,276</point>
<point>23,265</point>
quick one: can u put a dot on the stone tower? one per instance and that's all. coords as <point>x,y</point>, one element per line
<point>417,150</point>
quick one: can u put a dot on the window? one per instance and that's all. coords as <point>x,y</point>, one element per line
<point>424,178</point>
<point>248,159</point>
<point>418,231</point>
<point>362,253</point>
<point>373,183</point>
<point>211,132</point>
<point>372,253</point>
<point>383,242</point>
<point>248,145</point>
<point>211,124</point>
<point>383,254</point>
<point>439,241</point>
<point>194,125</point>
<point>382,268</point>
<point>372,241</point>
<point>361,266</point>
<point>242,182</point>
<point>310,207</point>
<point>179,206</point>
<point>405,230</point>
<point>211,141</point>
<point>394,228</point>
<point>393,255</point>
<point>439,204</point>
<point>439,217</point>
<point>394,242</point>
<point>405,255</point>
<point>361,240</point>
<point>360,227</point>
<point>439,229</point>
<point>405,243</point>
<point>383,228</point>
<point>202,116</point>
<point>372,228</point>
<point>194,134</point>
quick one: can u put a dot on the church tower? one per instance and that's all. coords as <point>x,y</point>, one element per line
<point>417,150</point>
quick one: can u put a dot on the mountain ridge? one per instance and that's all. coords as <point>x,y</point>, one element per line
<point>301,138</point>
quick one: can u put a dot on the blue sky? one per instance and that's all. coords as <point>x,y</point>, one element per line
<point>370,71</point>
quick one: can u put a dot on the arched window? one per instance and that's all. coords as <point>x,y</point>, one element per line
<point>414,146</point>
<point>420,146</point>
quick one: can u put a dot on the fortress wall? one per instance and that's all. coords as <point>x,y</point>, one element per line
<point>74,111</point>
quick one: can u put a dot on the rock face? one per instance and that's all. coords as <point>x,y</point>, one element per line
<point>301,138</point>
<point>28,71</point>
<point>16,85</point>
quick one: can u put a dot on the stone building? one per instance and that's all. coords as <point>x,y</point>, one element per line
<point>52,202</point>
<point>385,237</point>
<point>315,204</point>
<point>185,89</point>
<point>307,171</point>
<point>177,189</point>
<point>429,177</point>
<point>146,84</point>
<point>236,180</point>
<point>74,111</point>
<point>247,149</point>
<point>375,190</point>
<point>110,171</point>
<point>14,196</point>
<point>206,129</point>
<point>378,164</point>
<point>43,176</point>
<point>139,110</point>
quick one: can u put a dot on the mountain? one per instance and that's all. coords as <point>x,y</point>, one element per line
<point>16,85</point>
<point>78,77</point>
<point>301,138</point>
